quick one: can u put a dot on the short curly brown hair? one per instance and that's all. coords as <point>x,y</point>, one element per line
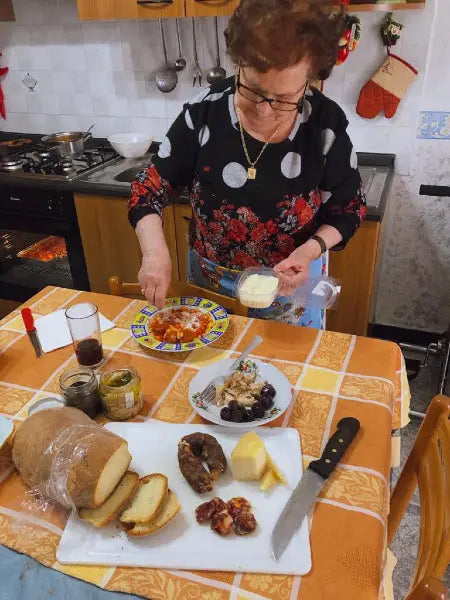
<point>266,34</point>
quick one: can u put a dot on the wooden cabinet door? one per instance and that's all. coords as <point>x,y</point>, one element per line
<point>129,9</point>
<point>210,8</point>
<point>7,11</point>
<point>183,216</point>
<point>354,267</point>
<point>94,10</point>
<point>155,9</point>
<point>171,239</point>
<point>110,244</point>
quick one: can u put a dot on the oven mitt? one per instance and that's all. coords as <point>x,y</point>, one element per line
<point>386,88</point>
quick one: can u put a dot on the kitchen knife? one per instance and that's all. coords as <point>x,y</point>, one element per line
<point>28,321</point>
<point>310,485</point>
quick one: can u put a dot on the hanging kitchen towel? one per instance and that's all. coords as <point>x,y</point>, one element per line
<point>3,71</point>
<point>386,88</point>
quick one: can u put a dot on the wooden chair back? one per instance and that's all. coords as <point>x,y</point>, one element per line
<point>428,467</point>
<point>133,290</point>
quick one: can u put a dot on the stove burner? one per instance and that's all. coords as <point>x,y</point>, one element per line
<point>64,166</point>
<point>44,154</point>
<point>44,162</point>
<point>12,163</point>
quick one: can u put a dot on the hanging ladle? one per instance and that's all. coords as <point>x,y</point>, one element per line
<point>217,73</point>
<point>166,78</point>
<point>180,63</point>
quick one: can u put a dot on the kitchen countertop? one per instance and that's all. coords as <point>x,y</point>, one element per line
<point>377,171</point>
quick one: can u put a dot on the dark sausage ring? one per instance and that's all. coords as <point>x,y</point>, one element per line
<point>193,450</point>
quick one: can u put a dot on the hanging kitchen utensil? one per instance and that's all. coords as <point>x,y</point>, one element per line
<point>166,77</point>
<point>217,73</point>
<point>68,144</point>
<point>197,69</point>
<point>180,63</point>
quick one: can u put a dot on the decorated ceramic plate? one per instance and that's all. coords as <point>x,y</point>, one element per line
<point>263,373</point>
<point>184,324</point>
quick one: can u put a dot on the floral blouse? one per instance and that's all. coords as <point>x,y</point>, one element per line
<point>309,179</point>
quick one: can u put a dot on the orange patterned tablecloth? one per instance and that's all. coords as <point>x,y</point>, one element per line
<point>334,375</point>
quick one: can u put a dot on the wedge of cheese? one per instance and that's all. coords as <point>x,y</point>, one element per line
<point>268,480</point>
<point>249,458</point>
<point>275,470</point>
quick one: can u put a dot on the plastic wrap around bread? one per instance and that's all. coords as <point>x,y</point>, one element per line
<point>65,457</point>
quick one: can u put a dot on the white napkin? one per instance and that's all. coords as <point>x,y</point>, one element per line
<point>54,332</point>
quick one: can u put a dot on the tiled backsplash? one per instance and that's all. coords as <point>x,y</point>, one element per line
<point>103,72</point>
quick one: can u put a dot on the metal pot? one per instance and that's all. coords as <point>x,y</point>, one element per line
<point>68,144</point>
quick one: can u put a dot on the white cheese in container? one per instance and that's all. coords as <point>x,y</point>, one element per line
<point>258,287</point>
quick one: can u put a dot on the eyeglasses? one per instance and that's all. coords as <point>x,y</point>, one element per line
<point>257,98</point>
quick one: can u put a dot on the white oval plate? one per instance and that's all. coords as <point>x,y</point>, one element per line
<point>266,373</point>
<point>6,429</point>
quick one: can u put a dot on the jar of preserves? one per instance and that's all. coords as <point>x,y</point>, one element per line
<point>121,393</point>
<point>79,389</point>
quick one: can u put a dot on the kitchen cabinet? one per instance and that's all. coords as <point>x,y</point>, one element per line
<point>7,11</point>
<point>110,245</point>
<point>210,8</point>
<point>92,10</point>
<point>183,216</point>
<point>355,268</point>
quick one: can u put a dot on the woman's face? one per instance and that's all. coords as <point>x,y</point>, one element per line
<point>286,85</point>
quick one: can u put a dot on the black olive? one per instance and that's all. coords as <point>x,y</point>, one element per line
<point>268,390</point>
<point>266,401</point>
<point>250,415</point>
<point>225,414</point>
<point>258,410</point>
<point>233,404</point>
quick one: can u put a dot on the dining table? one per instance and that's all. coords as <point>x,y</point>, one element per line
<point>332,375</point>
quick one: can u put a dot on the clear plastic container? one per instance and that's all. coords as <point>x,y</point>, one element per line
<point>257,287</point>
<point>318,292</point>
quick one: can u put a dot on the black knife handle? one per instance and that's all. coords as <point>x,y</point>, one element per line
<point>338,443</point>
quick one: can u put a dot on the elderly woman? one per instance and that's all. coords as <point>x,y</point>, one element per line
<point>271,171</point>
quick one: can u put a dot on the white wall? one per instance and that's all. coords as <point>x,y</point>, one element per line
<point>103,73</point>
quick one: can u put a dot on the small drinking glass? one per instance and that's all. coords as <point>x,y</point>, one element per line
<point>84,325</point>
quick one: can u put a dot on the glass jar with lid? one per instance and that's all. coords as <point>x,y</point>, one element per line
<point>79,387</point>
<point>121,393</point>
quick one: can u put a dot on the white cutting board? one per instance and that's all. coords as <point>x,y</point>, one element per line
<point>183,543</point>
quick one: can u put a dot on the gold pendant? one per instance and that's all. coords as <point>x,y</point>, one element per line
<point>251,173</point>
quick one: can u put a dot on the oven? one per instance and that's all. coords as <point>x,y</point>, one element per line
<point>40,242</point>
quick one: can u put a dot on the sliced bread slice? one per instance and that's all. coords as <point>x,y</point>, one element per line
<point>150,495</point>
<point>166,513</point>
<point>115,504</point>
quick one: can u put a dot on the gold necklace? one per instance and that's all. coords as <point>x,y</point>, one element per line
<point>251,171</point>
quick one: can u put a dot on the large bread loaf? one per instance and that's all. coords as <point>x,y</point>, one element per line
<point>65,456</point>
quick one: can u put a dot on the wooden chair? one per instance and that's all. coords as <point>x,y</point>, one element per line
<point>428,467</point>
<point>133,290</point>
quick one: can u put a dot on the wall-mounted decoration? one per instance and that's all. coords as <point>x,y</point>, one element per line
<point>30,82</point>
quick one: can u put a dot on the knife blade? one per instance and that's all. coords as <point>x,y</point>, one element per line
<point>28,321</point>
<point>311,483</point>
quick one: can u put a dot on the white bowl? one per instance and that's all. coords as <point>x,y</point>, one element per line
<point>130,145</point>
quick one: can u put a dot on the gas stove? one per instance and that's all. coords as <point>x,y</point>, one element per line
<point>41,162</point>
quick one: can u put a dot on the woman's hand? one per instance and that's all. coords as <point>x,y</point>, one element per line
<point>294,270</point>
<point>155,275</point>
